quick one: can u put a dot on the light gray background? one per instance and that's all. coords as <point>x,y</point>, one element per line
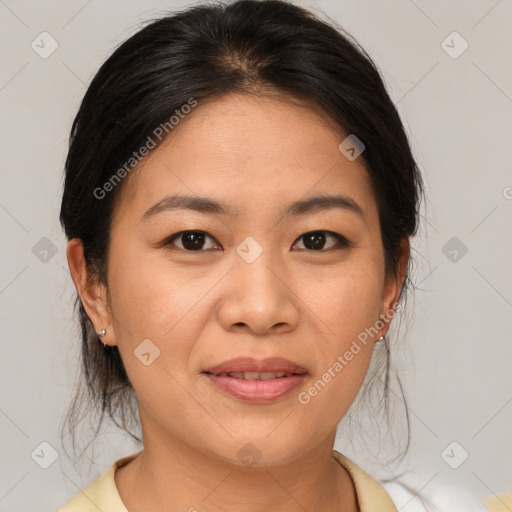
<point>456,356</point>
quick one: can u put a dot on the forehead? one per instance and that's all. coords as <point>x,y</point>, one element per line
<point>252,152</point>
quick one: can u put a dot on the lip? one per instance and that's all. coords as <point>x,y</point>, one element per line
<point>257,391</point>
<point>250,364</point>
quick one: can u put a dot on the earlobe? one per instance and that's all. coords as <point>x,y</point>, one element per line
<point>92,293</point>
<point>393,287</point>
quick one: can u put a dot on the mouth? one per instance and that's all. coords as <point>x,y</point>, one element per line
<point>256,390</point>
<point>249,368</point>
<point>256,375</point>
<point>256,381</point>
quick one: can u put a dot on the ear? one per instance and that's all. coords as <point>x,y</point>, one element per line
<point>93,294</point>
<point>393,286</point>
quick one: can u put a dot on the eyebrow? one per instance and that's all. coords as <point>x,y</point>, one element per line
<point>209,206</point>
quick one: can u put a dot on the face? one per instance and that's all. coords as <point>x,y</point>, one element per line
<point>252,277</point>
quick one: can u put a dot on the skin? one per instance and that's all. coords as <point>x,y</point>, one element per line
<point>200,308</point>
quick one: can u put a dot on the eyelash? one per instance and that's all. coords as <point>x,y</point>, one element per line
<point>342,241</point>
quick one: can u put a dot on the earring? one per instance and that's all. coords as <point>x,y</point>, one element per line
<point>101,334</point>
<point>382,338</point>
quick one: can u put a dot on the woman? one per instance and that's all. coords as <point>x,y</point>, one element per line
<point>239,198</point>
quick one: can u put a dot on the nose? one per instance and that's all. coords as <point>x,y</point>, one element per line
<point>258,297</point>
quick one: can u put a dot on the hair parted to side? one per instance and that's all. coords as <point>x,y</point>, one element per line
<point>206,52</point>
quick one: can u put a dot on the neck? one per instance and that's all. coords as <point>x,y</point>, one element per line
<point>186,479</point>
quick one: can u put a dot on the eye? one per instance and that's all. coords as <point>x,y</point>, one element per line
<point>316,240</point>
<point>191,240</point>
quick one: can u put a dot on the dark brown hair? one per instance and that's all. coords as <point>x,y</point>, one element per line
<point>205,52</point>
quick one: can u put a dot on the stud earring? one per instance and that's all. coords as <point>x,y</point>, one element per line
<point>101,334</point>
<point>382,338</point>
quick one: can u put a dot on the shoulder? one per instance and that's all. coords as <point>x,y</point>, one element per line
<point>371,495</point>
<point>411,494</point>
<point>418,495</point>
<point>102,494</point>
<point>499,502</point>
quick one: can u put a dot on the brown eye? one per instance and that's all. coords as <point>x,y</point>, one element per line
<point>316,240</point>
<point>190,240</point>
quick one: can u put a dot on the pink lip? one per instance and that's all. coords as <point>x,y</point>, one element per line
<point>257,391</point>
<point>249,364</point>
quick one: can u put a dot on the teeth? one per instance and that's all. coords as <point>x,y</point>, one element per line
<point>251,375</point>
<point>271,375</point>
<point>255,375</point>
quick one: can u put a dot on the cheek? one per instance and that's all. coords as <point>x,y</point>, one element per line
<point>346,307</point>
<point>150,302</point>
<point>346,299</point>
<point>148,299</point>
